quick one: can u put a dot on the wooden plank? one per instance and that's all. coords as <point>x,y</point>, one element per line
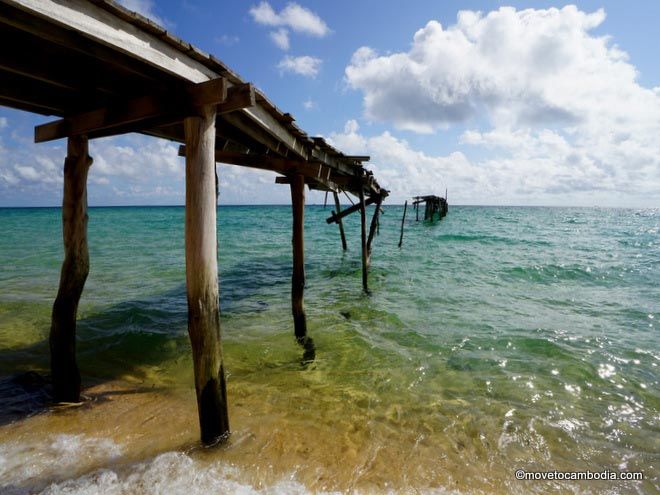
<point>107,29</point>
<point>349,210</point>
<point>202,277</point>
<point>133,114</point>
<point>276,164</point>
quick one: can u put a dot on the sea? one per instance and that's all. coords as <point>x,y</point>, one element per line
<point>499,343</point>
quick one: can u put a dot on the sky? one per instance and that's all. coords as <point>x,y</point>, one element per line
<point>515,103</point>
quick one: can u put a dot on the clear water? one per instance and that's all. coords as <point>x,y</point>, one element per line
<point>497,339</point>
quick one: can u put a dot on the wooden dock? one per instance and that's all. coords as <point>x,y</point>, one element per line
<point>103,70</point>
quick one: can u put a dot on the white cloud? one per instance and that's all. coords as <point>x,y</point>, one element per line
<point>309,104</point>
<point>145,8</point>
<point>3,122</point>
<point>293,16</point>
<point>546,169</point>
<point>281,38</point>
<point>305,66</point>
<point>557,109</point>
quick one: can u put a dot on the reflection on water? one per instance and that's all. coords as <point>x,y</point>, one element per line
<point>502,338</point>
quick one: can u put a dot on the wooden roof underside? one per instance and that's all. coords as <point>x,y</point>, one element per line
<point>80,60</point>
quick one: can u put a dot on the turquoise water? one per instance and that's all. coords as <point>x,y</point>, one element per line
<point>499,338</point>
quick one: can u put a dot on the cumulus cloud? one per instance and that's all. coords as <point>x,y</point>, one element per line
<point>293,16</point>
<point>546,99</point>
<point>305,65</point>
<point>127,164</point>
<point>281,38</point>
<point>309,104</point>
<point>523,67</point>
<point>545,169</point>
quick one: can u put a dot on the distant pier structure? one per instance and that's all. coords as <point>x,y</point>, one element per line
<point>103,70</point>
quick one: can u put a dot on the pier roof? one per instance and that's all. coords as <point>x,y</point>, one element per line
<point>105,70</point>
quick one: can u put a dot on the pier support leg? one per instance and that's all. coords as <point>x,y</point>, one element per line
<point>339,221</point>
<point>62,339</point>
<point>202,276</point>
<point>403,221</point>
<point>372,228</point>
<point>363,232</point>
<point>298,277</point>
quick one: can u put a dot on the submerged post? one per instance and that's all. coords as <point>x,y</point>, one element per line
<point>298,276</point>
<point>202,276</point>
<point>403,219</point>
<point>62,339</point>
<point>298,242</point>
<point>363,232</point>
<point>372,228</point>
<point>339,221</point>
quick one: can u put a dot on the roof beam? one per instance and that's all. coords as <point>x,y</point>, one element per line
<point>316,172</point>
<point>136,114</point>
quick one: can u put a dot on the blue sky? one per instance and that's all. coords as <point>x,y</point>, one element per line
<point>505,103</point>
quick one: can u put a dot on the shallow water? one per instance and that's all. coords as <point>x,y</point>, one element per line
<point>500,338</point>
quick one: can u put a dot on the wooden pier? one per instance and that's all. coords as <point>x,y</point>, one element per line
<point>103,70</point>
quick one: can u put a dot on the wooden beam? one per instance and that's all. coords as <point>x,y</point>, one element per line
<point>358,158</point>
<point>298,243</point>
<point>313,172</point>
<point>363,238</point>
<point>62,338</point>
<point>351,209</point>
<point>101,26</point>
<point>202,277</point>
<point>136,113</point>
<point>339,221</point>
<point>238,97</point>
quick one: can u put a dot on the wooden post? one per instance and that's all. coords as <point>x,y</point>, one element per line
<point>339,221</point>
<point>62,339</point>
<point>417,212</point>
<point>403,219</point>
<point>202,276</point>
<point>365,256</point>
<point>372,228</point>
<point>298,243</point>
<point>298,276</point>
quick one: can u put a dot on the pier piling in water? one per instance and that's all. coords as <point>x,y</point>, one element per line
<point>363,238</point>
<point>298,242</point>
<point>75,268</point>
<point>202,276</point>
<point>339,220</point>
<point>403,220</point>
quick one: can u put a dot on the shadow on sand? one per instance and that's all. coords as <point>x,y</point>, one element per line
<point>126,338</point>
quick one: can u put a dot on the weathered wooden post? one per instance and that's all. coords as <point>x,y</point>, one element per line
<point>202,276</point>
<point>297,185</point>
<point>372,228</point>
<point>363,232</point>
<point>298,243</point>
<point>62,339</point>
<point>339,221</point>
<point>403,219</point>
